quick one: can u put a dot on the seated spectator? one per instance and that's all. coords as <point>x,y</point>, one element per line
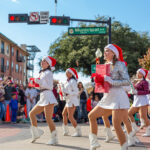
<point>14,108</point>
<point>21,115</point>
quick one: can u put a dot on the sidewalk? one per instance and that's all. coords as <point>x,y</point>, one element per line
<point>19,139</point>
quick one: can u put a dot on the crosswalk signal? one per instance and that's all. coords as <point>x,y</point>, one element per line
<point>18,18</point>
<point>60,20</point>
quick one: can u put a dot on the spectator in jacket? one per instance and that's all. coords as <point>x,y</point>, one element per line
<point>83,100</point>
<point>14,108</point>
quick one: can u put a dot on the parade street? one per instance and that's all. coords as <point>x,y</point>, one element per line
<point>18,137</point>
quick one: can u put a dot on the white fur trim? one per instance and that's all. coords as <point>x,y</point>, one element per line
<point>142,71</point>
<point>113,48</point>
<point>48,60</point>
<point>52,68</point>
<point>69,70</point>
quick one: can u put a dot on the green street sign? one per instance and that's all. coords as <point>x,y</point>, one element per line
<point>93,68</point>
<point>87,31</point>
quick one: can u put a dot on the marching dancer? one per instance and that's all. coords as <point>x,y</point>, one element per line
<point>116,100</point>
<point>71,92</point>
<point>47,100</point>
<point>148,79</point>
<point>140,103</point>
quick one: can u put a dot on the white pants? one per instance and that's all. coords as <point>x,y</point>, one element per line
<point>30,106</point>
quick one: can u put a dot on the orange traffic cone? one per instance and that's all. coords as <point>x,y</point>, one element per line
<point>25,110</point>
<point>7,114</point>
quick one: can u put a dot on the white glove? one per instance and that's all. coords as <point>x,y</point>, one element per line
<point>134,92</point>
<point>108,79</point>
<point>37,80</point>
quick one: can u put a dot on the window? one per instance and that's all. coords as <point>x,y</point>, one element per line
<point>7,64</point>
<point>12,65</point>
<point>2,48</point>
<point>17,68</point>
<point>7,49</point>
<point>12,51</point>
<point>2,65</point>
<point>24,58</point>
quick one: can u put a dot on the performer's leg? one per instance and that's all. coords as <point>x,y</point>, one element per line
<point>93,115</point>
<point>127,122</point>
<point>117,120</point>
<point>64,115</point>
<point>36,110</point>
<point>71,111</point>
<point>65,122</point>
<point>48,110</point>
<point>131,112</point>
<point>109,134</point>
<point>131,133</point>
<point>143,115</point>
<point>106,120</point>
<point>34,130</point>
<point>144,119</point>
<point>149,111</point>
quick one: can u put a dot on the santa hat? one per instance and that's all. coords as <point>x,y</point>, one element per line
<point>73,72</point>
<point>143,71</point>
<point>116,49</point>
<point>51,61</point>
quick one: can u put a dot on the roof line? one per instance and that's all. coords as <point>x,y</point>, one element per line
<point>12,42</point>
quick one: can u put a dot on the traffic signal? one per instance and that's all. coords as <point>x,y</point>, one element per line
<point>60,20</point>
<point>18,18</point>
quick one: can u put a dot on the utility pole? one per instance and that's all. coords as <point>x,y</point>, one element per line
<point>55,7</point>
<point>109,23</point>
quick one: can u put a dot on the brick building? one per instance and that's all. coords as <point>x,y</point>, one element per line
<point>13,60</point>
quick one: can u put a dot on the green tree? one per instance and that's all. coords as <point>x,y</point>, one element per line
<point>79,51</point>
<point>145,61</point>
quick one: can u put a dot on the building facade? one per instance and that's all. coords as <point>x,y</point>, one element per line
<point>13,60</point>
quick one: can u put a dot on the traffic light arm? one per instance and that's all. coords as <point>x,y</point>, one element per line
<point>96,21</point>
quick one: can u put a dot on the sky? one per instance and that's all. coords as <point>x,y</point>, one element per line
<point>135,13</point>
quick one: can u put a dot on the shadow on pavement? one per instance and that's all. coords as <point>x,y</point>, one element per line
<point>64,146</point>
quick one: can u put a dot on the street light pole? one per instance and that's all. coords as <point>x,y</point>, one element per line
<point>55,7</point>
<point>109,23</point>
